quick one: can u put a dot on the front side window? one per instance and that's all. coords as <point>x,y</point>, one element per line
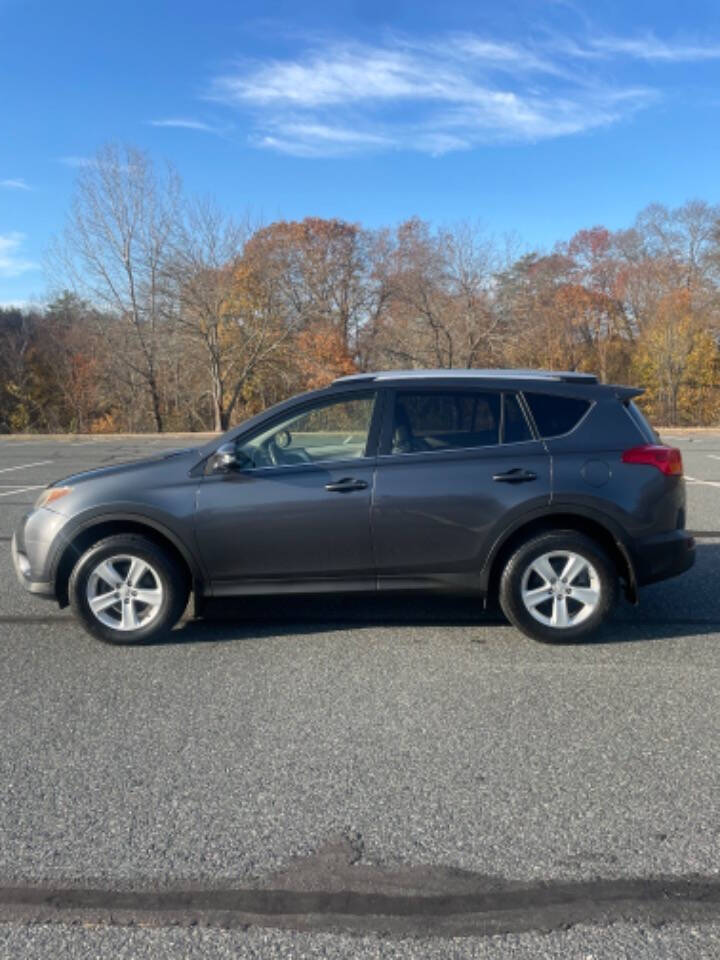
<point>433,420</point>
<point>336,430</point>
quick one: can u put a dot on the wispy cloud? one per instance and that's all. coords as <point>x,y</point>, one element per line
<point>187,123</point>
<point>11,263</point>
<point>77,162</point>
<point>649,47</point>
<point>320,140</point>
<point>442,93</point>
<point>16,184</point>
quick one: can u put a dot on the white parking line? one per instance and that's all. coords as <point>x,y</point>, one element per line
<point>705,483</point>
<point>9,493</point>
<point>713,456</point>
<point>23,443</point>
<point>26,466</point>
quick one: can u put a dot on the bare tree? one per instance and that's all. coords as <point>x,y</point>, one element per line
<point>437,297</point>
<point>228,292</point>
<point>113,251</point>
<point>685,236</point>
<point>202,285</point>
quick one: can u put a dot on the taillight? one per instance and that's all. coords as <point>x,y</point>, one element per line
<point>667,459</point>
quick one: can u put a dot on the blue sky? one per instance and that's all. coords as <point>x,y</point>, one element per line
<point>535,116</point>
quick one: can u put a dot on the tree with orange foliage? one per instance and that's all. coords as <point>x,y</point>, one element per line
<point>321,272</point>
<point>321,356</point>
<point>675,354</point>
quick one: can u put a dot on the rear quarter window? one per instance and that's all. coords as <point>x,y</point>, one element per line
<point>555,415</point>
<point>638,418</point>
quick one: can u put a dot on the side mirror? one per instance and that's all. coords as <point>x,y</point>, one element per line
<point>226,459</point>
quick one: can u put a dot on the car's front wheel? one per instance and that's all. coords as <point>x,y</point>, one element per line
<point>558,586</point>
<point>127,589</point>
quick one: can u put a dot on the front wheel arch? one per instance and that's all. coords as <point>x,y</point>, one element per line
<point>95,532</point>
<point>128,589</point>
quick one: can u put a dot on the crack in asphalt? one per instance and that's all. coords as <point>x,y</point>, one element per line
<point>400,905</point>
<point>333,890</point>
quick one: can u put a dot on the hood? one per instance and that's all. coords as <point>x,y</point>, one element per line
<point>185,457</point>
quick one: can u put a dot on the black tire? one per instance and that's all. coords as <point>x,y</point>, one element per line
<point>172,578</point>
<point>519,564</point>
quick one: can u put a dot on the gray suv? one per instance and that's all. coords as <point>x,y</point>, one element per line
<point>546,490</point>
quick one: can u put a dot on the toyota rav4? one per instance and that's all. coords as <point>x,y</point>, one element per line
<point>549,491</point>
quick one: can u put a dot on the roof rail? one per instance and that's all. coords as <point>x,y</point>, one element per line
<point>567,376</point>
<point>354,378</point>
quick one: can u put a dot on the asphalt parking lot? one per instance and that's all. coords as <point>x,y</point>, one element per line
<point>314,756</point>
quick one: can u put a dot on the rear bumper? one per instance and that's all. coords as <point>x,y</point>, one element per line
<point>23,572</point>
<point>663,556</point>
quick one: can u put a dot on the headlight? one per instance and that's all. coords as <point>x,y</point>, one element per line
<point>50,494</point>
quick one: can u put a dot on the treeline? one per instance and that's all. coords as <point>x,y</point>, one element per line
<point>175,316</point>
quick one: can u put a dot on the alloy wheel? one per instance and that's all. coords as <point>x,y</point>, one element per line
<point>124,592</point>
<point>560,589</point>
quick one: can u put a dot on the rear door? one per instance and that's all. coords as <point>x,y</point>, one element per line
<point>456,465</point>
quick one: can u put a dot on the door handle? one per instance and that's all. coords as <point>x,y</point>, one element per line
<point>346,485</point>
<point>516,475</point>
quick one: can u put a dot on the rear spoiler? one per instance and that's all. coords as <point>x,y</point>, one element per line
<point>626,393</point>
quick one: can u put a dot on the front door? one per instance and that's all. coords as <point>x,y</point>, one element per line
<point>297,517</point>
<point>457,464</point>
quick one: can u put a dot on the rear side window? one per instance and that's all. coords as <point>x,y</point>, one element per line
<point>638,418</point>
<point>555,415</point>
<point>434,420</point>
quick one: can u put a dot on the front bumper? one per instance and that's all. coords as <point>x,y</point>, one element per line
<point>23,573</point>
<point>663,556</point>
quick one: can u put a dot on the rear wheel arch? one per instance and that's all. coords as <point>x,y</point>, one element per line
<point>558,586</point>
<point>100,529</point>
<point>566,520</point>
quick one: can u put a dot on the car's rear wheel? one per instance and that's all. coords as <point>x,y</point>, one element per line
<point>127,589</point>
<point>558,586</point>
